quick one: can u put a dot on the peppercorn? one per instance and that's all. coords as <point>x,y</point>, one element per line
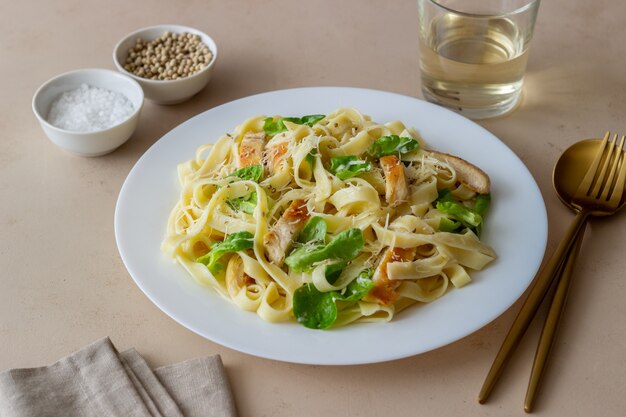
<point>169,57</point>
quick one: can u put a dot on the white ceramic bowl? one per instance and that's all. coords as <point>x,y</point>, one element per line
<point>166,91</point>
<point>88,143</point>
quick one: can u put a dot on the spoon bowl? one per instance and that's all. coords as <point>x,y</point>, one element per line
<point>570,170</point>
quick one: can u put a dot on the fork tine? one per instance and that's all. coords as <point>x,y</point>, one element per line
<point>600,179</point>
<point>614,163</point>
<point>618,190</point>
<point>586,183</point>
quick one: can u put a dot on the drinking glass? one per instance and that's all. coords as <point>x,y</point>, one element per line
<point>473,53</point>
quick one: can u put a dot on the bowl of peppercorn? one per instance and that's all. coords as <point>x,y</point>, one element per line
<point>172,63</point>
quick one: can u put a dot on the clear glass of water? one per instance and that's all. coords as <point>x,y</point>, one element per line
<point>473,53</point>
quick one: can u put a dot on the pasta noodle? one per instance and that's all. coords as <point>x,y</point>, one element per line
<point>326,219</point>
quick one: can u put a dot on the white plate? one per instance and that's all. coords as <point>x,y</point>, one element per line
<point>516,228</point>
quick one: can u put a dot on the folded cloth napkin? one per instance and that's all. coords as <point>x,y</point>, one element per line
<point>99,381</point>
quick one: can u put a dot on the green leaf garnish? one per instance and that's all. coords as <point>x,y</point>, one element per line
<point>343,247</point>
<point>318,310</point>
<point>310,158</point>
<point>233,243</point>
<point>481,206</point>
<point>314,309</point>
<point>392,145</point>
<point>345,167</point>
<point>314,230</point>
<point>458,211</point>
<point>309,120</point>
<point>247,204</point>
<point>332,271</point>
<point>273,127</point>
<point>359,287</point>
<point>444,195</point>
<point>449,225</point>
<point>461,216</point>
<point>250,173</point>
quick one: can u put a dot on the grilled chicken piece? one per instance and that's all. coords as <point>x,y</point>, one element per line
<point>276,156</point>
<point>251,149</point>
<point>396,189</point>
<point>467,174</point>
<point>384,289</point>
<point>280,238</point>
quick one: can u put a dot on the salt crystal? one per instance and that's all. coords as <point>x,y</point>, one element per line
<point>88,109</point>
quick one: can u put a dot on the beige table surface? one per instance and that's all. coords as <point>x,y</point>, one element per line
<point>63,284</point>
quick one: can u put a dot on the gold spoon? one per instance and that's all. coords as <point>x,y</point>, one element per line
<point>568,174</point>
<point>566,179</point>
<point>596,192</point>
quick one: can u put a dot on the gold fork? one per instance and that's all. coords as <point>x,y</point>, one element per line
<point>599,194</point>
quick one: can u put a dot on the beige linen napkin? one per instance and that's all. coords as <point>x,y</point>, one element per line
<point>99,381</point>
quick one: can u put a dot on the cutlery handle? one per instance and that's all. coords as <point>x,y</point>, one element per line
<point>550,327</point>
<point>531,305</point>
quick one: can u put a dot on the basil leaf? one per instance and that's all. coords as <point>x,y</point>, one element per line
<point>345,167</point>
<point>333,271</point>
<point>247,204</point>
<point>392,145</point>
<point>314,230</point>
<point>481,206</point>
<point>314,309</point>
<point>449,225</point>
<point>310,158</point>
<point>444,195</point>
<point>359,287</point>
<point>343,247</point>
<point>346,245</point>
<point>251,173</point>
<point>302,258</point>
<point>460,215</point>
<point>318,310</point>
<point>309,120</point>
<point>233,243</point>
<point>273,127</point>
<point>459,212</point>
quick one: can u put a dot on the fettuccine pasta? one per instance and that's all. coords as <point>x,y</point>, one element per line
<point>328,219</point>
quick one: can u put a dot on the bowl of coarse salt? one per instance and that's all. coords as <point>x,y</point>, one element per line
<point>172,63</point>
<point>89,112</point>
